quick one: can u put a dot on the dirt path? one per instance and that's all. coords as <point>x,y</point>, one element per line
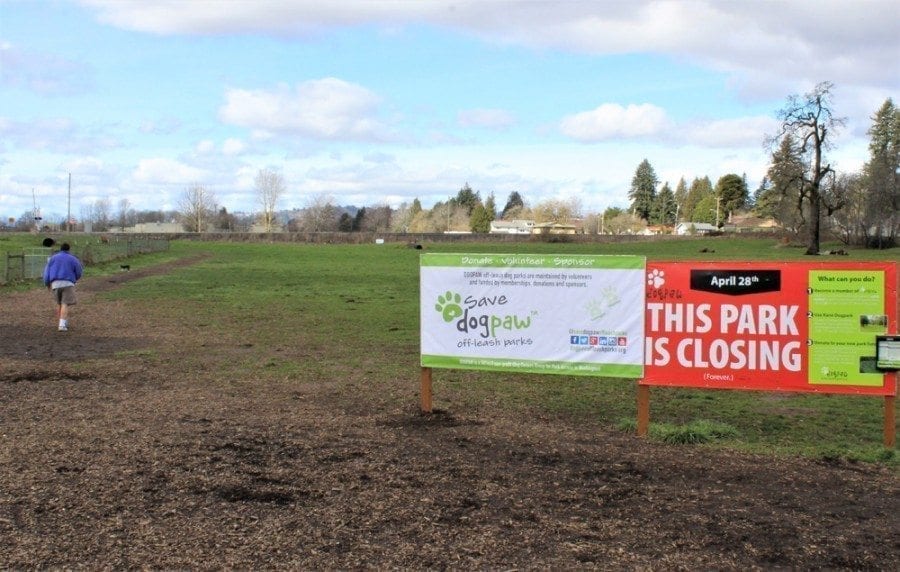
<point>121,448</point>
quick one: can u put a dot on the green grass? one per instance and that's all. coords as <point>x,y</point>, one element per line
<point>15,243</point>
<point>350,314</point>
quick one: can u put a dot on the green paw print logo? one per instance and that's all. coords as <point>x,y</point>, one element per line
<point>448,306</point>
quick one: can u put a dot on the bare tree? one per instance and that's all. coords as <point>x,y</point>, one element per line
<point>378,218</point>
<point>269,188</point>
<point>87,217</point>
<point>319,215</point>
<point>197,207</point>
<point>557,210</point>
<point>124,212</point>
<point>422,222</point>
<point>101,215</point>
<point>624,223</point>
<point>402,217</point>
<point>809,121</point>
<point>447,217</point>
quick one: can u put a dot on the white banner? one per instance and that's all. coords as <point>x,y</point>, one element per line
<point>573,315</point>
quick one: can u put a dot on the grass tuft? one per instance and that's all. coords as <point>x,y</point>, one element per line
<point>693,433</point>
<point>699,431</point>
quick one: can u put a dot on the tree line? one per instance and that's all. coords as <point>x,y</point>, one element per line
<point>801,191</point>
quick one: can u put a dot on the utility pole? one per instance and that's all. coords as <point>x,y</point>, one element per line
<point>35,212</point>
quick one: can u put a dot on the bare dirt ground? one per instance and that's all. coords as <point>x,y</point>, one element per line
<point>120,448</point>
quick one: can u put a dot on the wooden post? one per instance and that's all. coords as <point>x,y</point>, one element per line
<point>425,392</point>
<point>643,412</point>
<point>889,422</point>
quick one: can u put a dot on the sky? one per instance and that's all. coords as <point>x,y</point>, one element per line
<point>372,102</point>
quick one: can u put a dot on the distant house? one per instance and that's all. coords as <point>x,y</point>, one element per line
<point>156,228</point>
<point>259,228</point>
<point>684,228</point>
<point>655,229</point>
<point>516,226</point>
<point>749,223</point>
<point>554,228</point>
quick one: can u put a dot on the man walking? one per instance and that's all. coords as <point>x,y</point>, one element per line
<point>63,270</point>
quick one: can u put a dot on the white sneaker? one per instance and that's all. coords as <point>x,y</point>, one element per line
<point>63,329</point>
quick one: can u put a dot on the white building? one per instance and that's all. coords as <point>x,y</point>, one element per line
<point>156,228</point>
<point>516,226</point>
<point>684,228</point>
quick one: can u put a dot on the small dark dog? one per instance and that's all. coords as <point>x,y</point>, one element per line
<point>125,267</point>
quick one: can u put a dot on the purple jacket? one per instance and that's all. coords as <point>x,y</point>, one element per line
<point>62,266</point>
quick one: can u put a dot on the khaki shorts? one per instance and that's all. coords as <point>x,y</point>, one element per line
<point>65,295</point>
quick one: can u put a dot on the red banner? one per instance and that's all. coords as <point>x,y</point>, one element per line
<point>782,326</point>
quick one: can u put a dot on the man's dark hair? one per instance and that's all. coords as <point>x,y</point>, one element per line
<point>65,246</point>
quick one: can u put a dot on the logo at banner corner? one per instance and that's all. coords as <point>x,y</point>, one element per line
<point>656,278</point>
<point>449,306</point>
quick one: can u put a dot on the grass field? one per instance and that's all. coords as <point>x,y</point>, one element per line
<point>356,309</point>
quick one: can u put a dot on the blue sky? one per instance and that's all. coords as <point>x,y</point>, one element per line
<point>372,102</point>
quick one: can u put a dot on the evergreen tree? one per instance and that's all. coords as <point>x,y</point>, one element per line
<point>785,198</point>
<point>612,212</point>
<point>731,191</point>
<point>763,206</point>
<point>680,198</point>
<point>491,207</point>
<point>643,190</point>
<point>851,219</point>
<point>664,206</point>
<point>345,223</point>
<point>748,203</point>
<point>359,220</point>
<point>480,221</point>
<point>513,204</point>
<point>700,189</point>
<point>467,198</point>
<point>225,220</point>
<point>705,210</point>
<point>882,171</point>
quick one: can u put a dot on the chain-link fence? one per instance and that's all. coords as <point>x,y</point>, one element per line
<point>29,264</point>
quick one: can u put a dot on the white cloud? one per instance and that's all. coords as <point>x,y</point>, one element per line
<point>272,16</point>
<point>44,74</point>
<point>164,171</point>
<point>329,109</point>
<point>233,147</point>
<point>205,147</point>
<point>87,167</point>
<point>784,45</point>
<point>56,135</point>
<point>165,126</point>
<point>739,132</point>
<point>610,121</point>
<point>495,119</point>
